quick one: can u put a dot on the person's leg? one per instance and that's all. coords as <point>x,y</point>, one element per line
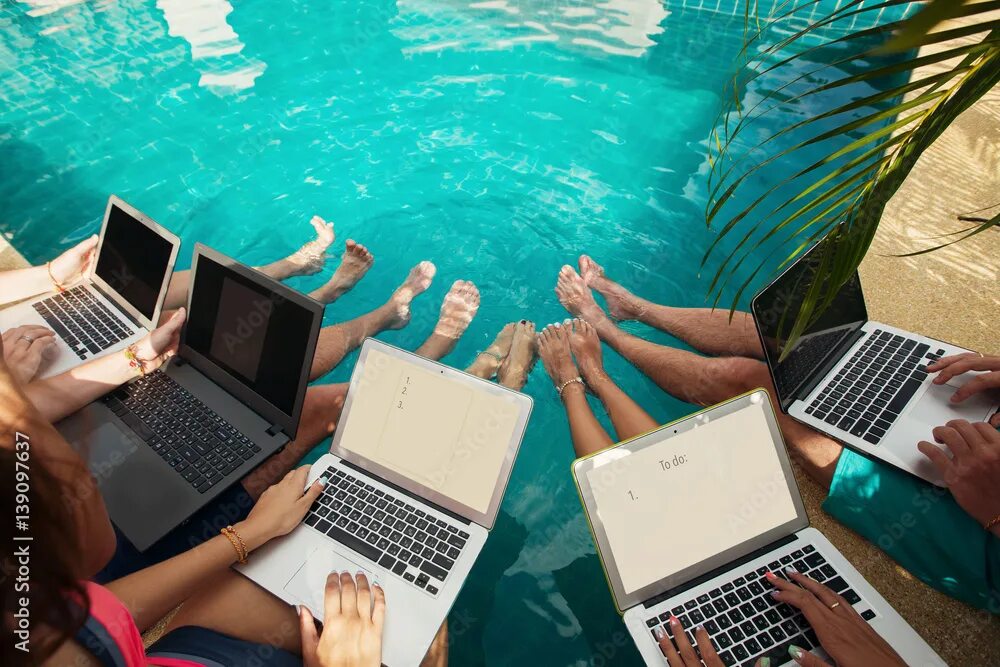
<point>587,433</point>
<point>335,342</point>
<point>513,372</point>
<point>305,261</point>
<point>320,412</point>
<point>457,310</point>
<point>705,329</point>
<point>628,418</point>
<point>353,266</point>
<point>487,362</point>
<point>701,380</point>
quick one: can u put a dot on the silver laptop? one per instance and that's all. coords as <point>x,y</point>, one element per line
<point>689,518</point>
<point>118,303</point>
<point>163,446</point>
<point>860,382</point>
<point>416,470</point>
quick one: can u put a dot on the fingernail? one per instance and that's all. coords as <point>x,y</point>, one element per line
<point>358,574</point>
<point>673,620</point>
<point>791,570</point>
<point>770,575</point>
<point>300,609</point>
<point>659,633</point>
<point>699,628</point>
<point>774,594</point>
<point>795,652</point>
<point>324,480</point>
<point>765,662</point>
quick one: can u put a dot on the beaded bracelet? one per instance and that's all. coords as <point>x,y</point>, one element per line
<point>990,524</point>
<point>134,361</point>
<point>237,542</point>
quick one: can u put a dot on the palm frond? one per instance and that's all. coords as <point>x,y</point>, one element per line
<point>884,115</point>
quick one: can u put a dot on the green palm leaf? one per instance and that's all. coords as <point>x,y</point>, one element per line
<point>881,135</point>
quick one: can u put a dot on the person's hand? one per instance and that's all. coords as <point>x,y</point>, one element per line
<point>354,616</point>
<point>280,508</point>
<point>73,265</point>
<point>957,364</point>
<point>680,653</point>
<point>161,343</point>
<point>842,633</point>
<point>972,472</point>
<point>24,349</point>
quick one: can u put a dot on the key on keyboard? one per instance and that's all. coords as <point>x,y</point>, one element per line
<point>868,394</point>
<point>198,444</point>
<point>83,322</point>
<point>745,631</point>
<point>407,541</point>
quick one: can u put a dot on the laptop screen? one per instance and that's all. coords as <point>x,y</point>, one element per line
<point>683,499</point>
<point>774,311</point>
<point>443,431</point>
<point>133,260</point>
<point>249,331</point>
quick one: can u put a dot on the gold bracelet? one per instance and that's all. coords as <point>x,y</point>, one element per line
<point>237,542</point>
<point>134,361</point>
<point>55,283</point>
<point>990,524</point>
<point>246,552</point>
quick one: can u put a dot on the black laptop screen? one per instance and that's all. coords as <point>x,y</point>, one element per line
<point>133,261</point>
<point>775,310</point>
<point>252,333</point>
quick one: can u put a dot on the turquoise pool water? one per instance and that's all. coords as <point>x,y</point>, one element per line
<point>499,139</point>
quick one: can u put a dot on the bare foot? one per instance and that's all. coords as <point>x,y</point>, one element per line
<point>488,361</point>
<point>416,283</point>
<point>311,257</point>
<point>622,304</point>
<point>513,371</point>
<point>554,350</point>
<point>354,264</point>
<point>576,297</point>
<point>586,346</point>
<point>459,307</point>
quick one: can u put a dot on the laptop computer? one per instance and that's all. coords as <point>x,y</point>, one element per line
<point>688,519</point>
<point>117,304</point>
<point>417,469</point>
<point>164,445</point>
<point>863,383</point>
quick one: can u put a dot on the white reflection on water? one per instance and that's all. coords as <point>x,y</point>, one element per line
<point>215,46</point>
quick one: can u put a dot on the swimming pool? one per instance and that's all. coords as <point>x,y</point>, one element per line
<point>499,139</point>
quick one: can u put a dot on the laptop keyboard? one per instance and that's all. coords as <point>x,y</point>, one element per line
<point>388,530</point>
<point>804,359</point>
<point>745,623</point>
<point>198,444</point>
<point>83,322</point>
<point>867,395</point>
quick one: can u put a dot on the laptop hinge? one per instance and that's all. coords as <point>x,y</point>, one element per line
<point>831,361</point>
<point>121,311</point>
<point>274,430</point>
<point>400,489</point>
<point>728,567</point>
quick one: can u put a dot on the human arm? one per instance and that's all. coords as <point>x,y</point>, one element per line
<point>63,394</point>
<point>972,472</point>
<point>66,270</point>
<point>150,593</point>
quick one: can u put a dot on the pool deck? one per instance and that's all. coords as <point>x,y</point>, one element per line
<point>949,294</point>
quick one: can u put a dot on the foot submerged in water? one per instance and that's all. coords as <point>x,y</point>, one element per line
<point>514,370</point>
<point>457,310</point>
<point>576,297</point>
<point>354,264</point>
<point>416,283</point>
<point>311,257</point>
<point>554,351</point>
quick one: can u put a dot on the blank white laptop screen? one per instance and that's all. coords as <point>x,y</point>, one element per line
<point>437,431</point>
<point>691,496</point>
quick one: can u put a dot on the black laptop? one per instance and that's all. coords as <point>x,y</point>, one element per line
<point>165,445</point>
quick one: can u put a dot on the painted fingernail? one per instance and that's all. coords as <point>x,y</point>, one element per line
<point>791,570</point>
<point>659,633</point>
<point>359,574</point>
<point>700,628</point>
<point>765,662</point>
<point>770,575</point>
<point>674,620</point>
<point>795,652</point>
<point>324,480</point>
<point>774,594</point>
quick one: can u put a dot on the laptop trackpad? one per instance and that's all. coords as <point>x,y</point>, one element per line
<point>308,584</point>
<point>936,409</point>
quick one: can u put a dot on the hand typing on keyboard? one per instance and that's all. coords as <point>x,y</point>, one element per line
<point>842,632</point>
<point>24,348</point>
<point>972,472</point>
<point>680,653</point>
<point>353,621</point>
<point>280,508</point>
<point>949,367</point>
